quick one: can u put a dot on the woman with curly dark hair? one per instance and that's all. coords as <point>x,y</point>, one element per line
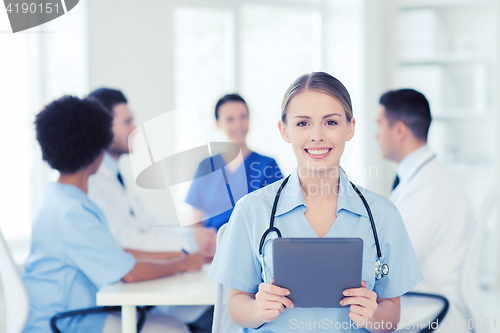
<point>73,253</point>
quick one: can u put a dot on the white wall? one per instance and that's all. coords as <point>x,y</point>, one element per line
<point>375,83</point>
<point>130,49</point>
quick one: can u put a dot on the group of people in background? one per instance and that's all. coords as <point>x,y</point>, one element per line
<point>92,229</point>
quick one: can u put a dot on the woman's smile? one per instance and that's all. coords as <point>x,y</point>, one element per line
<point>318,152</point>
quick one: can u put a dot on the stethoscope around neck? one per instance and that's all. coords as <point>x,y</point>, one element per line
<point>381,269</point>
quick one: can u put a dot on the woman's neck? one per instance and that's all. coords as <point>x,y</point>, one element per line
<point>78,179</point>
<point>228,154</point>
<point>244,149</point>
<point>319,184</point>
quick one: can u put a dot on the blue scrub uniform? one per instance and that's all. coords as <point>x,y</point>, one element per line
<point>73,254</point>
<point>236,263</point>
<point>205,194</point>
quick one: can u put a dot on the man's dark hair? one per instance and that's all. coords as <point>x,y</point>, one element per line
<point>225,99</point>
<point>73,132</point>
<point>109,97</point>
<point>410,107</point>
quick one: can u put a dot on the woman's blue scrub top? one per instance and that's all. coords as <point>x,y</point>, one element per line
<point>205,194</point>
<point>237,265</point>
<point>73,254</point>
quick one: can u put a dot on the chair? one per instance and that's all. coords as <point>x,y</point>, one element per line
<point>16,296</point>
<point>222,323</point>
<point>431,301</point>
<point>470,284</point>
<point>17,299</point>
<point>99,309</point>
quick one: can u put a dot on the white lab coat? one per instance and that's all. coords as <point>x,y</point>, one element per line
<point>439,222</point>
<point>129,220</point>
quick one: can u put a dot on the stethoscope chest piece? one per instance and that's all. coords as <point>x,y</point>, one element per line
<point>381,269</point>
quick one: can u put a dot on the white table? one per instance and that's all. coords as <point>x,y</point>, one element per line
<point>190,288</point>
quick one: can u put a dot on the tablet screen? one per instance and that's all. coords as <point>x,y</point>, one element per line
<point>317,270</point>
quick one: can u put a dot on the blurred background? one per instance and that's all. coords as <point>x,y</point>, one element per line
<point>169,54</point>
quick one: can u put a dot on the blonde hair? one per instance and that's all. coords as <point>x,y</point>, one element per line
<point>321,82</point>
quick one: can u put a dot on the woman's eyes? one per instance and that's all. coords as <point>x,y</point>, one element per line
<point>328,122</point>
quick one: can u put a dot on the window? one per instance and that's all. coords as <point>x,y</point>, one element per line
<point>16,134</point>
<point>37,66</point>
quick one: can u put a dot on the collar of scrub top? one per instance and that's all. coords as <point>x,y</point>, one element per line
<point>292,196</point>
<point>75,192</point>
<point>409,166</point>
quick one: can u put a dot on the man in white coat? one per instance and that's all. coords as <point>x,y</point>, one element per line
<point>435,212</point>
<point>128,219</point>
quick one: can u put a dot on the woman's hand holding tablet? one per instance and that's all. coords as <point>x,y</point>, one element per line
<point>363,304</point>
<point>272,300</point>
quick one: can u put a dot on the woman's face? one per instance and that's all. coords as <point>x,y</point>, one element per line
<point>318,129</point>
<point>234,121</point>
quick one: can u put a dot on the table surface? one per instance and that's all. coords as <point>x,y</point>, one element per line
<point>190,288</point>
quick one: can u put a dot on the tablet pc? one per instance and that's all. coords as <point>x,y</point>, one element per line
<point>317,270</point>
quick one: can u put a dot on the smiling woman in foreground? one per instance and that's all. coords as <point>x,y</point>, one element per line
<point>318,201</point>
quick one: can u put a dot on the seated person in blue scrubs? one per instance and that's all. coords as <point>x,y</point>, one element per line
<point>232,116</point>
<point>318,201</point>
<point>73,253</point>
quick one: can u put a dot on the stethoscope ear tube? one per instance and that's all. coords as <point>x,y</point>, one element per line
<point>271,222</point>
<point>370,216</point>
<point>262,240</point>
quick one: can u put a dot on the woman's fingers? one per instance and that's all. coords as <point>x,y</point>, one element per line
<point>272,289</point>
<point>272,305</point>
<point>363,301</point>
<point>280,299</point>
<point>360,292</point>
<point>360,310</point>
<point>272,300</point>
<point>263,295</point>
<point>269,315</point>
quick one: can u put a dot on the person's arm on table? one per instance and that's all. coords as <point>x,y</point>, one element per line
<point>148,269</point>
<point>207,256</point>
<point>154,255</point>
<point>253,310</point>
